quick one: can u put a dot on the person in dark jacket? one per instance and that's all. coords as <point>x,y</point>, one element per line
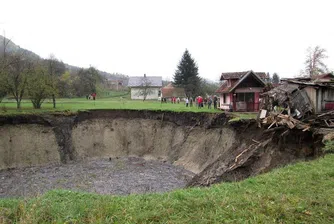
<point>215,99</point>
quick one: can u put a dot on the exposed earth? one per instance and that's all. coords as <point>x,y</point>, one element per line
<point>121,176</point>
<point>127,151</point>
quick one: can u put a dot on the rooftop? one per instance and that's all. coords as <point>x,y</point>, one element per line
<point>153,81</point>
<point>239,75</point>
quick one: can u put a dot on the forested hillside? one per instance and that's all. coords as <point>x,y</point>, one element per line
<point>24,74</point>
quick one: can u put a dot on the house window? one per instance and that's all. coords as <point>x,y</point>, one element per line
<point>249,97</point>
<point>240,97</point>
<point>245,97</point>
<point>159,93</point>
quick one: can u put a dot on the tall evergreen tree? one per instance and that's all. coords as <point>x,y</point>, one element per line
<point>186,75</point>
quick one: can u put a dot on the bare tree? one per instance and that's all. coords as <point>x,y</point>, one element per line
<point>314,64</point>
<point>145,87</point>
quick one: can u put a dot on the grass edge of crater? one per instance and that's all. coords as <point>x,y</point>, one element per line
<point>298,193</point>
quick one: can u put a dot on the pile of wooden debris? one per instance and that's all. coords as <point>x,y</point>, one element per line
<point>325,120</point>
<point>274,121</point>
<point>289,106</point>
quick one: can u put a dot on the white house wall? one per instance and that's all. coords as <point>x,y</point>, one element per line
<point>135,94</point>
<point>225,105</point>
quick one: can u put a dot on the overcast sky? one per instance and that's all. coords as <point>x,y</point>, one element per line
<point>134,37</point>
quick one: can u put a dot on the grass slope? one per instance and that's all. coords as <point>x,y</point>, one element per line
<point>300,193</point>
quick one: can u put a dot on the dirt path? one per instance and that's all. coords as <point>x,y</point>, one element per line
<point>119,176</point>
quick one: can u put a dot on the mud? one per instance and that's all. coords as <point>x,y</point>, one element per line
<point>120,176</point>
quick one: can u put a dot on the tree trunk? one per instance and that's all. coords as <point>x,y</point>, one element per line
<point>18,104</point>
<point>54,100</point>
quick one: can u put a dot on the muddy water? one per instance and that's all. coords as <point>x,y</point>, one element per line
<point>120,176</point>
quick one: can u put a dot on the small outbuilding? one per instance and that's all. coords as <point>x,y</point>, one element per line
<point>319,89</point>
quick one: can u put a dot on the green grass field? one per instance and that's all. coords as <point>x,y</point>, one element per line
<point>300,193</point>
<point>8,107</point>
<point>104,103</point>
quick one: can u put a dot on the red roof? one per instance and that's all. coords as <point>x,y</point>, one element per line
<point>171,91</point>
<point>239,75</point>
<point>260,76</point>
<point>224,88</point>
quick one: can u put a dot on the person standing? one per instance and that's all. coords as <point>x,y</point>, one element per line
<point>191,102</point>
<point>215,99</point>
<point>94,96</point>
<point>209,102</point>
<point>187,102</point>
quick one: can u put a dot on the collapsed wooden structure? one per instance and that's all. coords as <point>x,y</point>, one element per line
<point>290,106</point>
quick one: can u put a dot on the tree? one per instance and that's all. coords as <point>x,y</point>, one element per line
<point>3,91</point>
<point>186,75</point>
<point>3,67</point>
<point>55,69</point>
<point>208,87</point>
<point>314,64</point>
<point>65,85</point>
<point>86,81</point>
<point>275,78</point>
<point>145,89</point>
<point>38,86</point>
<point>15,76</point>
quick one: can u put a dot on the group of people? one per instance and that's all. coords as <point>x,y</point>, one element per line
<point>175,100</point>
<point>202,102</point>
<point>91,96</point>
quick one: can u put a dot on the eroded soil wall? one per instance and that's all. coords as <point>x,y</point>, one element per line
<point>192,140</point>
<point>203,143</point>
<point>191,147</point>
<point>27,145</point>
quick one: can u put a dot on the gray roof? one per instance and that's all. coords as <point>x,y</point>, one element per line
<point>135,81</point>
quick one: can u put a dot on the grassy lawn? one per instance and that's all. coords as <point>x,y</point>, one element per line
<point>75,104</point>
<point>300,193</point>
<point>8,107</point>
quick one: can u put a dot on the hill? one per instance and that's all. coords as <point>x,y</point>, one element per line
<point>11,47</point>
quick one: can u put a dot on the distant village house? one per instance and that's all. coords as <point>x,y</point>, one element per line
<point>114,84</point>
<point>142,85</point>
<point>240,91</point>
<point>170,91</point>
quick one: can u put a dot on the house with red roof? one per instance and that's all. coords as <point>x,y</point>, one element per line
<point>240,91</point>
<point>170,91</point>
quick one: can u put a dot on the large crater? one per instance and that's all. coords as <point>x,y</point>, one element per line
<point>123,152</point>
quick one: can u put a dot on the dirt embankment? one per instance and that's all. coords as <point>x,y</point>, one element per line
<point>203,143</point>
